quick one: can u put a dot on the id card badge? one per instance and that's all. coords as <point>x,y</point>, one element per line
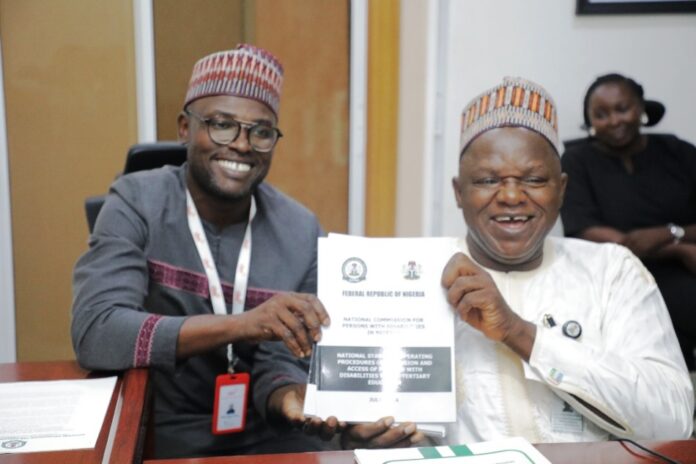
<point>229,413</point>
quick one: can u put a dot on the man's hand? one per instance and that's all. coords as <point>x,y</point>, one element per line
<point>476,299</point>
<point>294,318</point>
<point>645,242</point>
<point>287,403</point>
<point>381,434</point>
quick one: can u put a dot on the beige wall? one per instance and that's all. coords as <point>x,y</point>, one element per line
<point>70,108</point>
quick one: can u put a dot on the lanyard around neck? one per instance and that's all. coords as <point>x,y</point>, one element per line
<point>241,277</point>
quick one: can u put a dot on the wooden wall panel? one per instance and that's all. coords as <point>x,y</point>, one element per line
<point>382,116</point>
<point>70,101</point>
<point>184,32</point>
<point>311,38</point>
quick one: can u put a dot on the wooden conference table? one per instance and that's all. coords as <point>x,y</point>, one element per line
<point>121,438</point>
<point>683,451</point>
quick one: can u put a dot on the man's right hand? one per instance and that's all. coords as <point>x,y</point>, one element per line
<point>293,318</point>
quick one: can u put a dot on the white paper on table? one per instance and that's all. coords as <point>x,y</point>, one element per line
<point>53,415</point>
<point>390,348</point>
<point>514,450</point>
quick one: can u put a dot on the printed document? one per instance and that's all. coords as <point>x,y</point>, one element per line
<point>390,348</point>
<point>53,415</point>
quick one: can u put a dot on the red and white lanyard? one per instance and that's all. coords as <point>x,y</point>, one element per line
<point>241,277</point>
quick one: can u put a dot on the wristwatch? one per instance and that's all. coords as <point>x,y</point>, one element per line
<point>676,231</point>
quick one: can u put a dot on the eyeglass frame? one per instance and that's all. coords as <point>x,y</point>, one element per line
<point>242,125</point>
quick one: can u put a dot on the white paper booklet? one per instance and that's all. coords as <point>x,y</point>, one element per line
<point>53,415</point>
<point>390,348</point>
<point>509,451</point>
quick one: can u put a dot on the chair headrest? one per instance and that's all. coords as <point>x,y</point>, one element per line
<point>655,110</point>
<point>143,156</point>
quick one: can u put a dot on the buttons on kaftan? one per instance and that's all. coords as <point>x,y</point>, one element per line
<point>572,329</point>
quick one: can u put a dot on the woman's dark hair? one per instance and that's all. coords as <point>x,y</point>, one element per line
<point>613,78</point>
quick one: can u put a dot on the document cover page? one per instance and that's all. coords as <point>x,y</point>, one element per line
<point>390,348</point>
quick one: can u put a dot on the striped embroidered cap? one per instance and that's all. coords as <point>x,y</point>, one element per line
<point>516,102</point>
<point>246,71</point>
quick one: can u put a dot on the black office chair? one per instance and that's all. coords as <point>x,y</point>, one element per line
<point>140,157</point>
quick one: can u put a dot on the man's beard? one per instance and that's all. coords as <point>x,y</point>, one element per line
<point>205,181</point>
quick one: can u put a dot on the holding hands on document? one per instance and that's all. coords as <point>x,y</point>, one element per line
<point>287,403</point>
<point>381,434</point>
<point>293,318</point>
<point>475,297</point>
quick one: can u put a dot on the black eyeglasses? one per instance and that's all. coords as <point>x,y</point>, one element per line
<point>224,131</point>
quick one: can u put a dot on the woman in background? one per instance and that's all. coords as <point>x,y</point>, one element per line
<point>638,190</point>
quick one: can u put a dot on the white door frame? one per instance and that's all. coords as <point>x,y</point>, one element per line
<point>145,84</point>
<point>8,346</point>
<point>357,139</point>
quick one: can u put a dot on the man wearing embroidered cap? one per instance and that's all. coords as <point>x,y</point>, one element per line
<point>557,340</point>
<point>201,269</point>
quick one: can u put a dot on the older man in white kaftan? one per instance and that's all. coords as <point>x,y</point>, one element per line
<point>557,340</point>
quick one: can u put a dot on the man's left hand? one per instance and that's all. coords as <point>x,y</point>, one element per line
<point>475,297</point>
<point>478,302</point>
<point>381,434</point>
<point>287,403</point>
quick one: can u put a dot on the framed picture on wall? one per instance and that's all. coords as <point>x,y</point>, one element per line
<point>586,7</point>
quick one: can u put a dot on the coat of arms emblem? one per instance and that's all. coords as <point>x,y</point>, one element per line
<point>412,271</point>
<point>354,270</point>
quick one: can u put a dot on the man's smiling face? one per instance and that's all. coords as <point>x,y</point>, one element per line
<point>231,171</point>
<point>510,189</point>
